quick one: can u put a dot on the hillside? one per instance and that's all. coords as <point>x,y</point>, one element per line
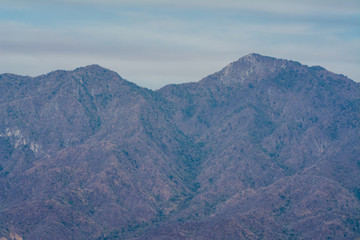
<point>264,149</point>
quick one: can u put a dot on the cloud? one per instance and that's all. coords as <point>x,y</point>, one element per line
<point>154,42</point>
<point>290,7</point>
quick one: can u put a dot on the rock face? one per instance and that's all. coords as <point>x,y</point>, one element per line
<point>263,149</point>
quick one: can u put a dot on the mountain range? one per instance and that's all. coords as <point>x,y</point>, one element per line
<point>265,148</point>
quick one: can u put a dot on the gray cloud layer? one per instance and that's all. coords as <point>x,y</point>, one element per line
<point>154,43</point>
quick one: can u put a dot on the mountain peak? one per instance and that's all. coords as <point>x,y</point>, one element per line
<point>95,72</point>
<point>91,68</point>
<point>252,68</point>
<point>254,56</point>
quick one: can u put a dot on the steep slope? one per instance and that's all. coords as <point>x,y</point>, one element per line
<point>82,156</point>
<point>266,121</point>
<point>264,149</point>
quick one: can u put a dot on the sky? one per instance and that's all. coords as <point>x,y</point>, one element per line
<point>156,42</point>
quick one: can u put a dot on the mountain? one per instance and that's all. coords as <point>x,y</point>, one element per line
<point>264,149</point>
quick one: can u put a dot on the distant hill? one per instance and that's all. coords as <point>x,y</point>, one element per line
<point>264,149</point>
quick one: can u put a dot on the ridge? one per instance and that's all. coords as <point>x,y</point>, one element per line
<point>253,68</point>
